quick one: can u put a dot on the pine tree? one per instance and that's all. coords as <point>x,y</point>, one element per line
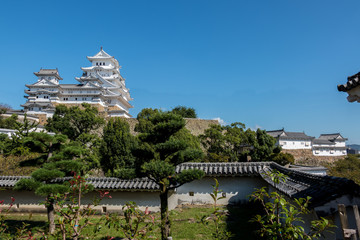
<point>160,150</point>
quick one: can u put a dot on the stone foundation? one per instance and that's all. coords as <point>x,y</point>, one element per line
<point>306,157</point>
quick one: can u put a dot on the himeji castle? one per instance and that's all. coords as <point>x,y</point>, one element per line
<point>100,85</point>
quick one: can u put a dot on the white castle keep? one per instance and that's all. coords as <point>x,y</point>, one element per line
<point>100,85</point>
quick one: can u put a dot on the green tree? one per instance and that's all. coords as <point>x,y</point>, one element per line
<point>263,147</point>
<point>281,219</point>
<point>159,151</point>
<point>348,167</point>
<point>10,122</point>
<point>282,158</point>
<point>44,143</point>
<point>228,143</point>
<point>115,150</point>
<point>15,145</point>
<point>40,182</point>
<point>75,122</point>
<point>185,112</point>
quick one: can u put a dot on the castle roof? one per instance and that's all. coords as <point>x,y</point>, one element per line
<point>48,72</point>
<point>298,184</point>
<point>281,134</point>
<point>332,136</point>
<point>102,55</point>
<point>352,82</point>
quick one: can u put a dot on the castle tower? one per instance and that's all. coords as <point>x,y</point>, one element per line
<point>43,93</point>
<point>100,85</point>
<point>104,72</point>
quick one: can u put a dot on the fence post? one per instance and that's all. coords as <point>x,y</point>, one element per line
<point>357,218</point>
<point>347,233</point>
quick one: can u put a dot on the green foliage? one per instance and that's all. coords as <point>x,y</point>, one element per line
<point>116,147</point>
<point>4,234</point>
<point>282,218</point>
<point>10,122</point>
<point>72,216</point>
<point>74,121</point>
<point>15,145</point>
<point>45,175</point>
<point>263,147</point>
<point>27,184</point>
<point>185,112</point>
<point>282,158</point>
<point>158,170</point>
<point>50,189</point>
<point>135,225</point>
<point>230,143</point>
<point>68,167</point>
<point>188,176</point>
<point>218,217</point>
<point>348,167</point>
<point>161,147</point>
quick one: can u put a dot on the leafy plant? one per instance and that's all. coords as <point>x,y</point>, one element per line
<point>136,224</point>
<point>72,217</point>
<point>281,219</point>
<point>218,216</point>
<point>3,213</point>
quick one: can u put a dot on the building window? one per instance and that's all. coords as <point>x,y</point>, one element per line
<point>76,99</point>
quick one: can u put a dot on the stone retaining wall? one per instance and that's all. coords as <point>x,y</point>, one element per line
<point>306,157</point>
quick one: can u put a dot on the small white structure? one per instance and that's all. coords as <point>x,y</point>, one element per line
<point>329,145</point>
<point>326,145</point>
<point>12,132</point>
<point>291,140</point>
<point>101,85</point>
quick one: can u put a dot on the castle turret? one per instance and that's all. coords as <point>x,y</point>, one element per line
<point>43,93</point>
<point>105,73</point>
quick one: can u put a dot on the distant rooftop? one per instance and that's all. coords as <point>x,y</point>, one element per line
<point>48,72</point>
<point>282,134</point>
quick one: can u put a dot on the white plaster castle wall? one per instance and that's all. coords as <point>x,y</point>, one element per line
<point>237,189</point>
<point>295,144</point>
<point>325,151</point>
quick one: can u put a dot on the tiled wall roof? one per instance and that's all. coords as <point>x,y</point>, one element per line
<point>298,184</point>
<point>352,82</point>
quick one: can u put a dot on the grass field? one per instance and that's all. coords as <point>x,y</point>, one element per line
<point>186,224</point>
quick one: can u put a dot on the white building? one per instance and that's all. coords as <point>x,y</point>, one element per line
<point>100,85</point>
<point>291,140</point>
<point>326,145</point>
<point>329,145</point>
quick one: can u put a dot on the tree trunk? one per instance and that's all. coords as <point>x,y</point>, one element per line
<point>50,153</point>
<point>165,223</point>
<point>51,216</point>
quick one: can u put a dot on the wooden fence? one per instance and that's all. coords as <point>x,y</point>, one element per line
<point>348,233</point>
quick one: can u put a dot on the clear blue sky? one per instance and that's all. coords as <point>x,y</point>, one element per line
<point>268,64</point>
